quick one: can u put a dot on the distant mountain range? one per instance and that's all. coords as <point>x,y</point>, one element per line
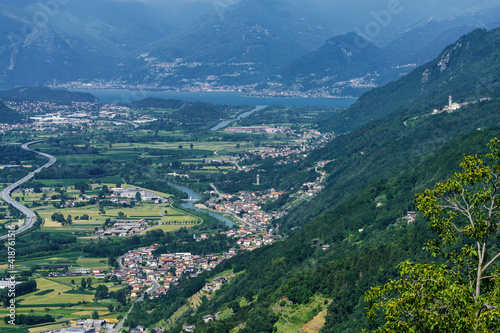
<point>350,65</point>
<point>467,69</point>
<point>72,40</point>
<point>345,65</point>
<point>255,46</point>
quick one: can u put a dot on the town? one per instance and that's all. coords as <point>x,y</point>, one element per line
<point>115,207</point>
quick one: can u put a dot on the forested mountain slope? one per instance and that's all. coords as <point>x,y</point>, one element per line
<point>46,94</point>
<point>467,69</point>
<point>377,168</point>
<point>298,268</point>
<point>8,115</point>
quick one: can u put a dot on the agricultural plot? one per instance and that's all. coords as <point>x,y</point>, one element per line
<point>169,227</point>
<point>124,151</point>
<point>93,263</point>
<point>149,211</point>
<point>58,297</point>
<point>73,259</point>
<point>82,228</point>
<point>301,318</point>
<point>176,216</point>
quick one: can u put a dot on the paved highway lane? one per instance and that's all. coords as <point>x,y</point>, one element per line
<point>5,194</point>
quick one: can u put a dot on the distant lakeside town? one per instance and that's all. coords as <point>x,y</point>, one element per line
<point>246,90</point>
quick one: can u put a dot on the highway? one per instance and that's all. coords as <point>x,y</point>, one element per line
<point>5,194</point>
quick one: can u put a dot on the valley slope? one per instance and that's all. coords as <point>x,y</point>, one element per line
<point>377,167</point>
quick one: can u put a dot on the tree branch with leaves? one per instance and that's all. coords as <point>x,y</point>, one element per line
<point>464,294</point>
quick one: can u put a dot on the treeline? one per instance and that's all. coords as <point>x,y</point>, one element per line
<point>30,320</point>
<point>196,116</point>
<point>157,103</point>
<point>82,171</point>
<point>41,243</point>
<point>14,154</point>
<point>98,168</point>
<point>22,288</point>
<point>71,145</point>
<point>10,116</point>
<point>151,135</point>
<point>11,175</point>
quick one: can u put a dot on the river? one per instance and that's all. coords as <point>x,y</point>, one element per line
<point>124,96</point>
<point>193,196</point>
<point>225,123</point>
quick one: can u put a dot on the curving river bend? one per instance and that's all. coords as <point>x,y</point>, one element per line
<point>195,197</point>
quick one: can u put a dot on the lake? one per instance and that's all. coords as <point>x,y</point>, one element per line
<point>124,96</point>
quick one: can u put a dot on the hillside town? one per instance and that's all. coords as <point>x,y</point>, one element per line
<point>143,268</point>
<point>246,206</point>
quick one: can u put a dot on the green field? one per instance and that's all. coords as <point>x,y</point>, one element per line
<point>55,297</point>
<point>74,259</point>
<point>52,298</point>
<point>93,263</point>
<point>301,318</point>
<point>168,227</point>
<point>84,229</point>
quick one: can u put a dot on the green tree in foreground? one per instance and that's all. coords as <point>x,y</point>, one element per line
<point>464,294</point>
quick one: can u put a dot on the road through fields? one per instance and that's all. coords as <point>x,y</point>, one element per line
<point>5,194</point>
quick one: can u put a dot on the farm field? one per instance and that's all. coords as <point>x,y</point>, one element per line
<point>169,227</point>
<point>73,259</point>
<point>82,228</point>
<point>58,297</point>
<point>301,318</point>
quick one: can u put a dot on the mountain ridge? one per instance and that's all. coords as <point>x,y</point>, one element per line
<point>460,70</point>
<point>345,65</point>
<point>47,95</point>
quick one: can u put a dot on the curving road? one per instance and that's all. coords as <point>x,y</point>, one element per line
<point>5,194</point>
